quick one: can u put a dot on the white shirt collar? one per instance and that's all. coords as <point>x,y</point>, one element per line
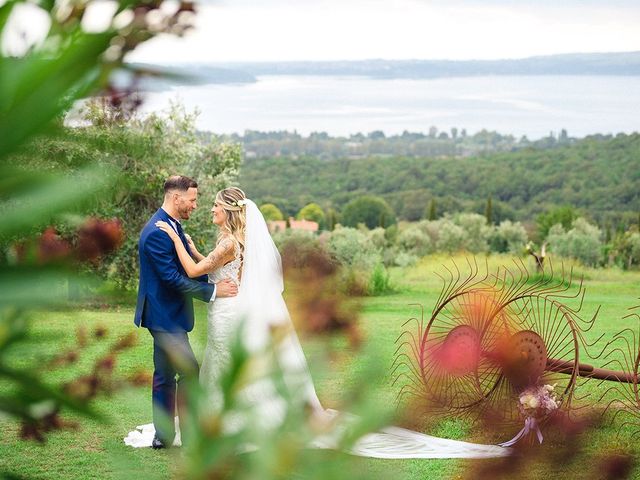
<point>172,221</point>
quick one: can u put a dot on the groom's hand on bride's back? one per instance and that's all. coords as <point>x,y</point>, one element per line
<point>226,288</point>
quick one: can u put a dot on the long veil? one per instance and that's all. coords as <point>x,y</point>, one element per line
<point>263,307</point>
<point>260,293</point>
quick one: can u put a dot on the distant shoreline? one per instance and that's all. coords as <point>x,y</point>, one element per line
<point>616,63</point>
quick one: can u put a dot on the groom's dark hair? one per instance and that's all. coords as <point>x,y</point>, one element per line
<point>179,182</point>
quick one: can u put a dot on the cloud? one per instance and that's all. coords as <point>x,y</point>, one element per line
<point>244,30</point>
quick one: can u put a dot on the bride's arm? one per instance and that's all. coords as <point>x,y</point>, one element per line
<point>220,255</point>
<point>194,251</point>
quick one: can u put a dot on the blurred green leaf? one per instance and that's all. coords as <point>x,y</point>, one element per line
<point>13,327</point>
<point>32,388</point>
<point>16,181</point>
<point>40,206</point>
<point>36,88</point>
<point>24,287</point>
<point>5,12</point>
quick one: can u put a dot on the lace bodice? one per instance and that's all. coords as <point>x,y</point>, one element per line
<point>231,270</point>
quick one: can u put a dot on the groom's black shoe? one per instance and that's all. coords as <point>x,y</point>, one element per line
<point>156,443</point>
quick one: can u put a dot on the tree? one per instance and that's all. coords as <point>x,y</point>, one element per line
<point>143,151</point>
<point>488,212</point>
<point>477,231</point>
<point>432,215</point>
<point>376,135</point>
<point>271,212</point>
<point>560,215</point>
<point>40,78</point>
<point>564,137</point>
<point>452,237</point>
<point>412,206</point>
<point>509,237</point>
<point>332,219</point>
<point>539,180</point>
<point>370,210</point>
<point>627,249</point>
<point>414,240</point>
<point>581,242</point>
<point>313,212</point>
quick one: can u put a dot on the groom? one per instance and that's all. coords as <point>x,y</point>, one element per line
<point>165,307</point>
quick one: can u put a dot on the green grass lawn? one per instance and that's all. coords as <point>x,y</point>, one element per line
<point>95,449</point>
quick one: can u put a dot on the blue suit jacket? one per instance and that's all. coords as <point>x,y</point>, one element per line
<point>165,291</point>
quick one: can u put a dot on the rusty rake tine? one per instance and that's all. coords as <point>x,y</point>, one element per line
<point>405,369</point>
<point>617,350</point>
<point>581,292</point>
<point>631,347</point>
<point>629,315</point>
<point>413,386</point>
<point>472,269</point>
<point>398,360</point>
<point>410,382</point>
<point>605,394</point>
<point>419,323</point>
<point>558,324</point>
<point>416,352</point>
<point>580,398</point>
<point>420,306</point>
<point>630,424</point>
<point>406,390</point>
<point>466,258</point>
<point>486,271</point>
<point>412,319</point>
<point>586,345</point>
<point>591,322</point>
<point>403,334</point>
<point>525,271</point>
<point>453,278</point>
<point>442,289</point>
<point>407,344</point>
<point>614,362</point>
<point>447,289</point>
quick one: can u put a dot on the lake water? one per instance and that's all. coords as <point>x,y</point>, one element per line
<point>520,105</point>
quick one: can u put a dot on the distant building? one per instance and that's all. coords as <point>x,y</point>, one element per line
<point>281,225</point>
<point>276,226</point>
<point>307,225</point>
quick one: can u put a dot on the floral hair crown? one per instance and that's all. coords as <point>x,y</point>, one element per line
<point>240,203</point>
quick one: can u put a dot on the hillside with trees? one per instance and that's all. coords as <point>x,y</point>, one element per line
<point>598,176</point>
<point>455,142</point>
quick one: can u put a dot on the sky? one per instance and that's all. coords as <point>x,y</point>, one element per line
<point>280,30</point>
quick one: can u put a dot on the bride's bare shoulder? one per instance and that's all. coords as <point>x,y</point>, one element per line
<point>225,249</point>
<point>226,244</point>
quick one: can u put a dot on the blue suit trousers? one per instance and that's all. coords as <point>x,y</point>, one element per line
<point>172,356</point>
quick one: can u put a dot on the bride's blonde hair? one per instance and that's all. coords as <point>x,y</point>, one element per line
<point>232,201</point>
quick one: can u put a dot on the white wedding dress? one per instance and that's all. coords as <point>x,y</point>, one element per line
<point>258,307</point>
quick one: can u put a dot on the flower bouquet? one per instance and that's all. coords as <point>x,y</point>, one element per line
<point>535,404</point>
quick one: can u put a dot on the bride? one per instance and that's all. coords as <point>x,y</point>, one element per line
<point>246,254</point>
